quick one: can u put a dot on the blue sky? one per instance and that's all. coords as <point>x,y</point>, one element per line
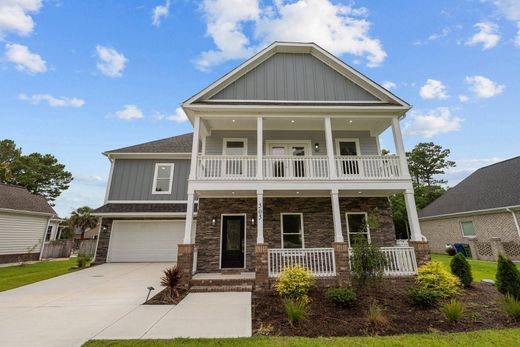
<point>81,77</point>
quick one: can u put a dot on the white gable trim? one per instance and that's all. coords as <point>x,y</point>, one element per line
<point>311,48</point>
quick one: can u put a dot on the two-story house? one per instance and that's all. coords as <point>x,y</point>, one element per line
<point>284,167</point>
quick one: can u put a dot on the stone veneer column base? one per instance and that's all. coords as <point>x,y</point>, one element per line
<point>185,263</point>
<point>261,269</point>
<point>422,251</point>
<point>342,263</point>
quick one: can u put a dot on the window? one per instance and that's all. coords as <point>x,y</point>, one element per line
<point>163,179</point>
<point>357,227</point>
<point>292,230</point>
<point>48,234</point>
<point>235,146</point>
<point>467,228</point>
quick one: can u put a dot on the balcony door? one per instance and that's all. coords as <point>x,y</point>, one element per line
<point>286,166</point>
<point>346,149</point>
<point>234,148</point>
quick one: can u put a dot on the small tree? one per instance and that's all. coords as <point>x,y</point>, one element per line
<point>82,220</point>
<point>367,263</point>
<point>508,277</point>
<point>461,268</point>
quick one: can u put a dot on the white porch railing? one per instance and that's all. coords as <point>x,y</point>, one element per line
<point>367,167</point>
<point>226,167</point>
<point>400,261</point>
<point>295,168</point>
<point>319,261</point>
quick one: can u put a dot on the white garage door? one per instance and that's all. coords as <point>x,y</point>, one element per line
<point>146,241</point>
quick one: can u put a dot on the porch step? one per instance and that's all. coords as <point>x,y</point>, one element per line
<point>214,282</point>
<point>222,288</point>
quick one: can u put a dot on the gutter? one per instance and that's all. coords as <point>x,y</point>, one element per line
<point>465,213</point>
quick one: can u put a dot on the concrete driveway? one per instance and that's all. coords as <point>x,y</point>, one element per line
<point>70,309</point>
<point>104,302</point>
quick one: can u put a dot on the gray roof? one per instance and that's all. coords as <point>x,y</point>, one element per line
<point>175,144</point>
<point>19,198</point>
<point>493,186</point>
<point>141,208</point>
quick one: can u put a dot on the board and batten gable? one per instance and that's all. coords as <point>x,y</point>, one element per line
<point>294,77</point>
<point>21,232</point>
<point>214,143</point>
<point>132,179</point>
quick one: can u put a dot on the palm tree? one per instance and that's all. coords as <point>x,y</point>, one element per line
<point>82,219</point>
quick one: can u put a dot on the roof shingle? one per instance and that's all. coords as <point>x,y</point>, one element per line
<point>493,186</point>
<point>175,144</point>
<point>20,199</point>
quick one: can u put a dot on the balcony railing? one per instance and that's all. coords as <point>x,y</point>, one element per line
<point>319,261</point>
<point>279,168</point>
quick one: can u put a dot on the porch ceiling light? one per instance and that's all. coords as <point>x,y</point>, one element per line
<point>359,192</point>
<point>233,120</point>
<point>292,120</point>
<point>350,121</point>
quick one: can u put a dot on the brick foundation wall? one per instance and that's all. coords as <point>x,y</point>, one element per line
<point>448,230</point>
<point>16,258</point>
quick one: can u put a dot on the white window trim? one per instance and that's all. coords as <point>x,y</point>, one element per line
<point>462,229</point>
<point>355,140</point>
<point>288,143</point>
<point>234,139</point>
<point>301,222</point>
<point>348,227</point>
<point>170,186</point>
<point>222,233</point>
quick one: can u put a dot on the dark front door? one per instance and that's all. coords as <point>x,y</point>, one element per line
<point>233,236</point>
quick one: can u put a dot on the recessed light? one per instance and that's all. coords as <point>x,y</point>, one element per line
<point>297,192</point>
<point>233,193</point>
<point>350,121</point>
<point>292,120</point>
<point>359,192</point>
<point>233,121</point>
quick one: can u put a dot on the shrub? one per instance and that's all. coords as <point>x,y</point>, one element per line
<point>511,306</point>
<point>423,297</point>
<point>432,275</point>
<point>461,268</point>
<point>296,310</point>
<point>451,250</point>
<point>343,297</point>
<point>375,315</point>
<point>83,260</point>
<point>367,262</point>
<point>264,330</point>
<point>294,283</point>
<point>171,279</point>
<point>508,277</point>
<point>453,310</point>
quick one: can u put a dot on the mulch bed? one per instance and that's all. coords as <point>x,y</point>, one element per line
<point>164,298</point>
<point>482,304</point>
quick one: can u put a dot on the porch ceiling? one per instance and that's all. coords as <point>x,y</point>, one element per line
<point>293,193</point>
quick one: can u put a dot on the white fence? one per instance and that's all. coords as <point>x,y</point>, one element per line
<point>400,261</point>
<point>319,261</point>
<point>367,167</point>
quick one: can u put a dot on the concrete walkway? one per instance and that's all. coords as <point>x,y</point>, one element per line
<point>105,302</point>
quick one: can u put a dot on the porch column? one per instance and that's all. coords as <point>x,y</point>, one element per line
<point>336,216</point>
<point>259,147</point>
<point>189,219</point>
<point>330,149</point>
<point>195,147</point>
<point>413,218</point>
<point>399,146</point>
<point>259,216</point>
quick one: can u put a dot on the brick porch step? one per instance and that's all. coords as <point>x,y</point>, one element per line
<point>206,282</point>
<point>222,288</point>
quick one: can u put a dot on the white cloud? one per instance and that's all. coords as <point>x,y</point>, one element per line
<point>159,12</point>
<point>463,98</point>
<point>488,35</point>
<point>465,167</point>
<point>389,85</point>
<point>111,62</point>
<point>179,116</point>
<point>91,180</point>
<point>15,16</point>
<point>508,8</point>
<point>433,122</point>
<point>483,87</point>
<point>24,59</point>
<point>129,112</point>
<point>444,32</point>
<point>433,89</point>
<point>517,39</point>
<point>52,101</point>
<point>338,28</point>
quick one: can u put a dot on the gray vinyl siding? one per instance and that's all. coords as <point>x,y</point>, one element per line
<point>132,179</point>
<point>367,143</point>
<point>294,77</point>
<point>20,232</point>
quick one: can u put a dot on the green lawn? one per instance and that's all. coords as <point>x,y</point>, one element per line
<point>21,275</point>
<point>481,269</point>
<point>505,337</point>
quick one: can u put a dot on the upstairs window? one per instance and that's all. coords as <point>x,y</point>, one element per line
<point>467,229</point>
<point>163,179</point>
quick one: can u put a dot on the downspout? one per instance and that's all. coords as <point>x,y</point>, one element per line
<point>44,235</point>
<point>515,220</point>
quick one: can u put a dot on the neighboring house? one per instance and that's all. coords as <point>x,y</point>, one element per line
<point>25,222</point>
<point>485,205</point>
<point>284,164</point>
<point>54,229</point>
<point>90,234</point>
